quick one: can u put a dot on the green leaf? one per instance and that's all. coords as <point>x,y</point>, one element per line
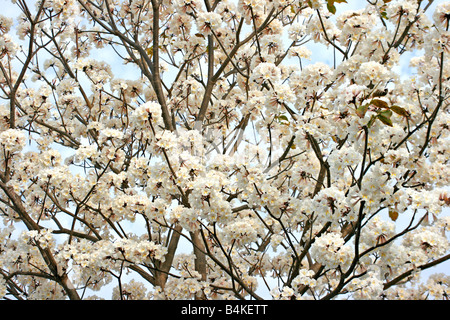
<point>385,113</point>
<point>361,110</point>
<point>400,111</point>
<point>282,119</point>
<point>330,5</point>
<point>385,119</point>
<point>393,214</point>
<point>380,103</point>
<point>150,51</point>
<point>380,93</point>
<point>371,121</point>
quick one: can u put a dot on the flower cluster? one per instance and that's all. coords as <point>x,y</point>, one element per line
<point>441,16</point>
<point>207,22</point>
<point>305,278</point>
<point>331,251</point>
<point>42,238</point>
<point>368,287</point>
<point>5,24</point>
<point>105,253</point>
<point>355,24</point>
<point>372,73</point>
<point>132,290</point>
<point>12,140</point>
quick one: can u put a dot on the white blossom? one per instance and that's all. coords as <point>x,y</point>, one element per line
<point>12,140</point>
<point>227,149</point>
<point>330,250</point>
<point>441,15</point>
<point>208,21</point>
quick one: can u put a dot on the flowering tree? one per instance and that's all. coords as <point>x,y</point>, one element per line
<point>231,165</point>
